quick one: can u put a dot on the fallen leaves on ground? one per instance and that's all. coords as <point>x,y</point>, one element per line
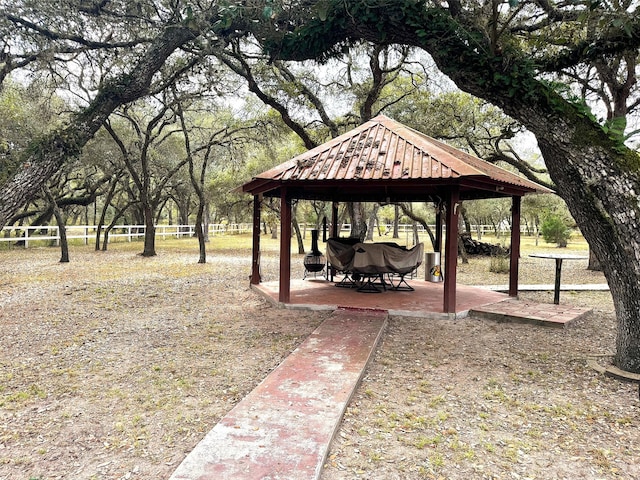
<point>114,366</point>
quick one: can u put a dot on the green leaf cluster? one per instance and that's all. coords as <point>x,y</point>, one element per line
<point>555,229</point>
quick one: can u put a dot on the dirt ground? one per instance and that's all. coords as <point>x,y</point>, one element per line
<point>114,366</point>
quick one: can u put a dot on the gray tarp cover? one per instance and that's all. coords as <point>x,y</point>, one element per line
<point>373,258</point>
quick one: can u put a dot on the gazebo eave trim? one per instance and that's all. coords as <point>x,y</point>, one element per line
<point>378,190</point>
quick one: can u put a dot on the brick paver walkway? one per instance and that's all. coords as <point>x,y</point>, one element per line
<point>283,428</point>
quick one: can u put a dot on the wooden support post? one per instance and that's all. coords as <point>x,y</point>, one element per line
<point>285,247</point>
<point>438,246</point>
<point>334,234</point>
<point>451,250</point>
<point>255,255</point>
<point>514,259</point>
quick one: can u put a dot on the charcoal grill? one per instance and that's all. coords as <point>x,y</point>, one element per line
<point>314,261</point>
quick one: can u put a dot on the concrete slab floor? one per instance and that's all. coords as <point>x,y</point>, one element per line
<point>426,301</point>
<point>518,311</point>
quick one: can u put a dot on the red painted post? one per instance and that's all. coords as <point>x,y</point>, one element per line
<point>451,250</point>
<point>285,247</point>
<point>514,260</point>
<point>438,246</point>
<point>255,252</point>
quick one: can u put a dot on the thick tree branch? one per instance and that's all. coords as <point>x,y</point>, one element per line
<point>312,97</point>
<point>59,36</point>
<point>236,62</point>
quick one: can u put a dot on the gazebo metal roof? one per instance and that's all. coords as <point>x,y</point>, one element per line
<point>383,160</point>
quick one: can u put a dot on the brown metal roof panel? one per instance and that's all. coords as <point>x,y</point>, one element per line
<point>493,171</point>
<point>324,167</point>
<point>383,149</point>
<point>341,162</point>
<point>365,152</point>
<point>370,155</point>
<point>427,163</point>
<point>407,161</point>
<point>416,171</point>
<point>331,165</point>
<point>389,147</point>
<point>353,169</point>
<point>304,160</point>
<point>315,165</point>
<point>398,158</point>
<point>448,160</point>
<point>328,157</point>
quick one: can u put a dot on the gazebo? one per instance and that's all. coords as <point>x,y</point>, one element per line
<point>385,161</point>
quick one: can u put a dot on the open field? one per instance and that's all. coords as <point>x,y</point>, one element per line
<point>114,366</point>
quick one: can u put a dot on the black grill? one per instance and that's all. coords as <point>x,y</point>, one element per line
<point>314,261</point>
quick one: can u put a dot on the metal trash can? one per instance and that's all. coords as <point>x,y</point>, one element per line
<point>433,272</point>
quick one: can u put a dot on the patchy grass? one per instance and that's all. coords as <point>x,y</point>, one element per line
<point>115,366</point>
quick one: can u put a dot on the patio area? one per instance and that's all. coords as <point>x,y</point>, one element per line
<point>426,301</point>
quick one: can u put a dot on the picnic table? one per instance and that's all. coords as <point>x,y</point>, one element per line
<point>558,257</point>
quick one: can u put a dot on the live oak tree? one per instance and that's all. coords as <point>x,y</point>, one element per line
<point>139,38</point>
<point>29,110</point>
<point>153,155</point>
<point>209,135</point>
<point>317,106</point>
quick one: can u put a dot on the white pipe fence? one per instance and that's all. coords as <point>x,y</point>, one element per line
<point>87,233</point>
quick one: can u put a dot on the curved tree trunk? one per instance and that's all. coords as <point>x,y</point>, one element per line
<point>118,215</point>
<point>373,219</point>
<point>103,213</point>
<point>149,249</point>
<point>298,234</point>
<point>613,237</point>
<point>62,231</point>
<point>296,228</point>
<point>598,179</point>
<point>202,246</point>
<point>409,213</point>
<point>206,220</point>
<point>358,220</point>
<point>396,221</point>
<point>599,182</point>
